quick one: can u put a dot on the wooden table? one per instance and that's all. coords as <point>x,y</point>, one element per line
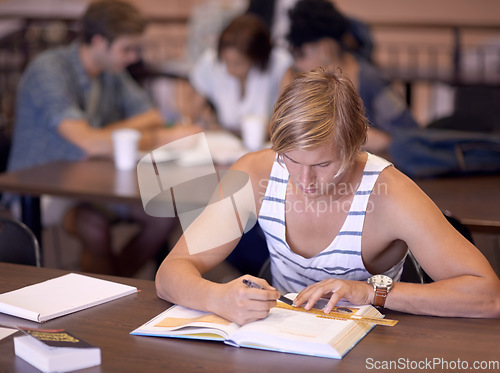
<point>94,180</point>
<point>475,200</point>
<point>414,340</point>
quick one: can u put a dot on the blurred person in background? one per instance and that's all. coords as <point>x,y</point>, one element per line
<point>70,100</point>
<point>241,77</point>
<point>275,14</point>
<point>320,35</point>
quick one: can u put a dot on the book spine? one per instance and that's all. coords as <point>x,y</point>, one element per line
<point>9,309</point>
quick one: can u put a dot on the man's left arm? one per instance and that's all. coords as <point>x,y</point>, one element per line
<point>464,282</point>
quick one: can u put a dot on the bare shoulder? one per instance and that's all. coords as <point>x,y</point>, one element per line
<point>258,166</point>
<point>396,199</point>
<point>256,163</point>
<point>395,188</point>
<point>399,203</point>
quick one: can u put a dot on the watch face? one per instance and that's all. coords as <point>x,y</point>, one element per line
<point>381,281</point>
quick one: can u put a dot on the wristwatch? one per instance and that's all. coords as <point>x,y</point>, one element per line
<point>382,284</point>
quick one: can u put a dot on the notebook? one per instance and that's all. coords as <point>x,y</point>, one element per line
<point>60,296</point>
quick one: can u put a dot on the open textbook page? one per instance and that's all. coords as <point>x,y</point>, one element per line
<point>284,330</point>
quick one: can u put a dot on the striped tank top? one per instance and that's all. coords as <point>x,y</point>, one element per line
<point>292,272</point>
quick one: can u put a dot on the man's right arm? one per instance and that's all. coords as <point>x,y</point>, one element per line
<point>179,278</point>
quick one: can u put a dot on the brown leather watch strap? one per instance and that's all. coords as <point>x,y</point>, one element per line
<point>380,297</point>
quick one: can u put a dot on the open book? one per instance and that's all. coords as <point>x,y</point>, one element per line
<point>284,330</point>
<point>61,296</point>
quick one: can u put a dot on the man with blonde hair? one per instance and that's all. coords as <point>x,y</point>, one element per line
<point>338,223</point>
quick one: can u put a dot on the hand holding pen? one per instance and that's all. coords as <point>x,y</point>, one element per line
<point>237,302</point>
<point>252,284</point>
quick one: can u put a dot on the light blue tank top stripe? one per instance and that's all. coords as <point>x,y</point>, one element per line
<point>353,213</point>
<point>350,233</point>
<point>363,192</point>
<point>304,280</point>
<point>339,252</point>
<point>278,284</point>
<point>295,281</point>
<point>274,199</point>
<point>270,218</point>
<point>309,269</point>
<point>278,239</point>
<point>278,180</point>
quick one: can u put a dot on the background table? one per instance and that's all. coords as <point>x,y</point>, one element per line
<point>413,339</point>
<point>475,200</point>
<point>94,180</point>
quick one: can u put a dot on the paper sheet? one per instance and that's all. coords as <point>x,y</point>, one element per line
<point>5,332</point>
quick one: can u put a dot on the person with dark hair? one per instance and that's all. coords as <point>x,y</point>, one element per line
<point>338,222</point>
<point>242,76</point>
<point>275,14</point>
<point>319,35</point>
<point>69,101</point>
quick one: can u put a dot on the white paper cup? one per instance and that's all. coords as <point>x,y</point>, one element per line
<point>253,129</point>
<point>125,144</point>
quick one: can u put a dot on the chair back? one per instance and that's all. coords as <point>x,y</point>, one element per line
<point>412,272</point>
<point>18,244</point>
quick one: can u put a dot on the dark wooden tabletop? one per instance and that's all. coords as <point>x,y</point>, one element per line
<point>475,200</point>
<point>95,179</point>
<point>416,342</point>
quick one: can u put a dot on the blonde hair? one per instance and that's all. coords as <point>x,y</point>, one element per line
<point>316,107</point>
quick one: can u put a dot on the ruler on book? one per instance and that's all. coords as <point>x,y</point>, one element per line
<point>341,313</point>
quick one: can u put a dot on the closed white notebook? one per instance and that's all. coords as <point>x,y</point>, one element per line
<point>61,296</point>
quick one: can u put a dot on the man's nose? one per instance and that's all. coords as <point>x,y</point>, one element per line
<point>307,176</point>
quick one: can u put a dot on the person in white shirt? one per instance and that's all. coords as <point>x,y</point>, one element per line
<point>242,77</point>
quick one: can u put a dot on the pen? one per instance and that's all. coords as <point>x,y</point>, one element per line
<point>252,284</point>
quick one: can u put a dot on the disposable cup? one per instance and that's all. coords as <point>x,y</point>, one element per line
<point>253,129</point>
<point>125,144</point>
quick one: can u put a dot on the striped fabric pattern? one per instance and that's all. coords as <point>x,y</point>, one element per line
<point>341,259</point>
